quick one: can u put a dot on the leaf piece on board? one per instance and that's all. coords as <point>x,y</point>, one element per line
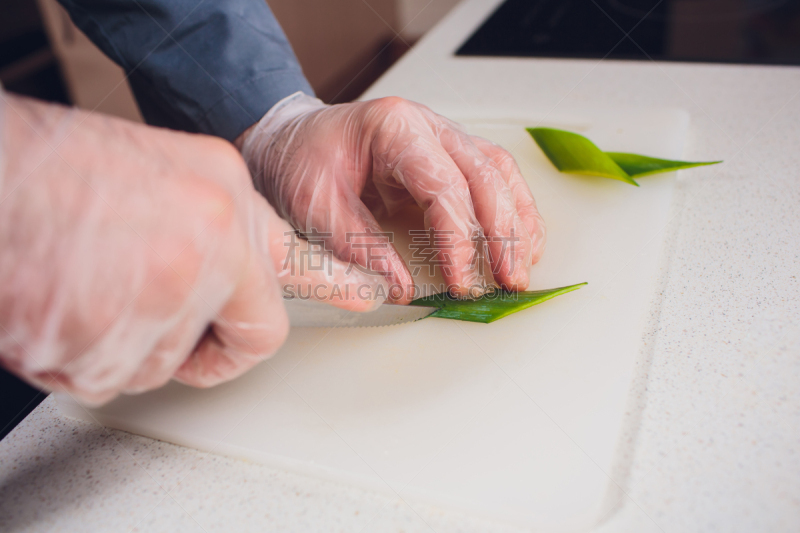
<point>574,153</point>
<point>637,166</point>
<point>489,307</point>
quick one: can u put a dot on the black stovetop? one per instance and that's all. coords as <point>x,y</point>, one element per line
<point>737,31</point>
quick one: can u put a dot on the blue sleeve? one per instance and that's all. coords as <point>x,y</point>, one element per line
<point>208,66</point>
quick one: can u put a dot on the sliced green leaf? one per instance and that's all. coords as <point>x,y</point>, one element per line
<point>637,166</point>
<point>489,307</point>
<point>573,153</point>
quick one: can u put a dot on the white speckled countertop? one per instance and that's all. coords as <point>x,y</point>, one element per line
<point>714,422</point>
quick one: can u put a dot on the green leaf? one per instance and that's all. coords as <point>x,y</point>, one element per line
<point>637,166</point>
<point>489,307</point>
<point>575,154</point>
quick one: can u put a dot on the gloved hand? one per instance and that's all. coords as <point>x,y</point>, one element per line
<point>330,169</point>
<point>130,254</point>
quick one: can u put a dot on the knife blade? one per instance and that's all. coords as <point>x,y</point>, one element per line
<point>314,314</point>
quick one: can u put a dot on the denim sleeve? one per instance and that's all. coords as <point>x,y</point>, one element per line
<point>208,66</point>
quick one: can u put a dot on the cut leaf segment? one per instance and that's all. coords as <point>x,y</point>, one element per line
<point>638,166</point>
<point>573,153</point>
<point>489,307</point>
<point>576,154</point>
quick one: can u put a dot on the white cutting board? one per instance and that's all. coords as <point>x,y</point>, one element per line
<point>518,420</point>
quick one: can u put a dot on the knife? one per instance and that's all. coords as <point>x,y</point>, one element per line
<point>314,314</point>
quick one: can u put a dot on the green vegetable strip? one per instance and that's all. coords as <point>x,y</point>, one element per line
<point>637,166</point>
<point>490,307</point>
<point>574,153</point>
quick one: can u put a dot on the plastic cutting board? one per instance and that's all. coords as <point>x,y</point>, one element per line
<point>518,420</point>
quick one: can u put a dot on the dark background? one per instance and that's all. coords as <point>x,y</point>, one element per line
<point>735,31</point>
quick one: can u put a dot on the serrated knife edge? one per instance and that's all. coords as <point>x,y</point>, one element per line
<point>313,314</point>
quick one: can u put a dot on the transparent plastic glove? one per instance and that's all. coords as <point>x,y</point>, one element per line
<point>333,169</point>
<point>130,255</point>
